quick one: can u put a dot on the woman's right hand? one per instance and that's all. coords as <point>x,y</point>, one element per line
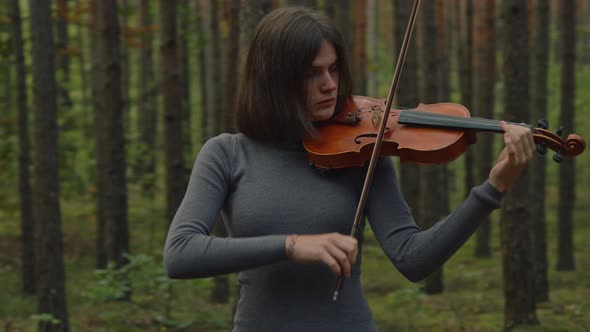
<point>336,250</point>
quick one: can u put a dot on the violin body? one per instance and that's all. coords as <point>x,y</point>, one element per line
<point>431,134</point>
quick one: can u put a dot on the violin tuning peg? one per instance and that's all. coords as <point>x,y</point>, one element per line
<point>558,157</point>
<point>559,131</point>
<point>544,124</point>
<point>542,148</point>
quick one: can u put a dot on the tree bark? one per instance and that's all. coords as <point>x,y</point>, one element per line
<point>520,306</point>
<point>538,110</point>
<point>184,72</point>
<point>434,193</point>
<point>360,47</point>
<point>24,160</point>
<point>567,184</point>
<point>110,136</point>
<point>231,50</point>
<point>63,53</point>
<point>172,95</point>
<point>147,111</point>
<point>407,96</point>
<point>465,58</point>
<point>51,290</point>
<point>484,79</point>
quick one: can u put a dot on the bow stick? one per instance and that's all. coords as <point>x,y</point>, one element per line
<point>379,139</point>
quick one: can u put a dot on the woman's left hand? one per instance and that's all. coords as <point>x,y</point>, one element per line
<point>520,148</point>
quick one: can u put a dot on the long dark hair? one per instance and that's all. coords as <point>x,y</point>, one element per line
<point>271,98</point>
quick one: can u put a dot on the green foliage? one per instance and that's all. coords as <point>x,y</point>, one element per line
<point>48,318</point>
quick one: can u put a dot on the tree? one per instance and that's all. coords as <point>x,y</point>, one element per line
<point>567,22</point>
<point>24,160</point>
<point>184,70</point>
<point>539,63</point>
<point>172,97</point>
<point>484,79</point>
<point>520,306</point>
<point>51,291</point>
<point>407,96</point>
<point>63,53</point>
<point>434,192</point>
<point>147,111</point>
<point>359,61</point>
<point>110,137</point>
<point>465,59</point>
<point>231,51</point>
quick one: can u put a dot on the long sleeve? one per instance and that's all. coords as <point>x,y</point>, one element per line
<point>414,252</point>
<point>190,251</point>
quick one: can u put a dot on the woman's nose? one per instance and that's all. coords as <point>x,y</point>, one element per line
<point>329,82</point>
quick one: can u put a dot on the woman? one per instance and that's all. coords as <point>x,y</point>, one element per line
<point>288,220</point>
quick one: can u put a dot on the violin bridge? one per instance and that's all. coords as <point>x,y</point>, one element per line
<point>377,115</point>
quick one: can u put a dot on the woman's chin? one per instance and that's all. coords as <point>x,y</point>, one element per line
<point>322,115</point>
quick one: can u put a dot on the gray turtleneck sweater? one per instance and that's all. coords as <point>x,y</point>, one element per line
<point>268,192</point>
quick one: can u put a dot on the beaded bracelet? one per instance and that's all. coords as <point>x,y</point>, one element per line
<point>292,242</point>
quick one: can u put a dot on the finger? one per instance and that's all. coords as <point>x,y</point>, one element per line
<point>341,257</point>
<point>511,151</point>
<point>528,146</point>
<point>349,245</point>
<point>331,262</point>
<point>532,145</point>
<point>352,250</point>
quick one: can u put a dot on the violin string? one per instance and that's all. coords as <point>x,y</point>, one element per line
<point>470,120</point>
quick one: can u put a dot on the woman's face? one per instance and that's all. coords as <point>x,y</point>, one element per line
<point>321,84</point>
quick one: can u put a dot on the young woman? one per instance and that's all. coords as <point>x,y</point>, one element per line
<point>289,222</point>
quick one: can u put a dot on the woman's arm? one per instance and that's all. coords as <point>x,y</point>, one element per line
<point>414,252</point>
<point>190,251</point>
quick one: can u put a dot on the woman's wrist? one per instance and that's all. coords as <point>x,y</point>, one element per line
<point>290,245</point>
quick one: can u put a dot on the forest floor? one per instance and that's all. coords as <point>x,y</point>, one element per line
<point>472,299</point>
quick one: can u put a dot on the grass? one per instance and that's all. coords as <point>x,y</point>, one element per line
<point>472,300</point>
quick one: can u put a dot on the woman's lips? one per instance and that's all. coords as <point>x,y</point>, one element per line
<point>327,102</point>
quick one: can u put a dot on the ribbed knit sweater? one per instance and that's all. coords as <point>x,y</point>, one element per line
<point>267,192</point>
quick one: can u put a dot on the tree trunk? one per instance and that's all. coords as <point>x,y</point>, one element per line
<point>538,110</point>
<point>86,116</point>
<point>203,53</point>
<point>231,50</point>
<point>407,96</point>
<point>520,306</point>
<point>484,78</point>
<point>216,110</point>
<point>51,290</point>
<point>465,58</point>
<point>340,12</point>
<point>184,72</point>
<point>110,136</point>
<point>101,249</point>
<point>63,53</point>
<point>24,160</point>
<point>565,255</point>
<point>172,95</point>
<point>147,111</point>
<point>434,193</point>
<point>359,62</point>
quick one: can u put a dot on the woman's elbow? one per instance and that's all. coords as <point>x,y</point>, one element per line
<point>412,273</point>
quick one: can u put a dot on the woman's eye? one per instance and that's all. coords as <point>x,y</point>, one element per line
<point>312,74</point>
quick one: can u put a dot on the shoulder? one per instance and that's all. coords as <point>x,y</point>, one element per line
<point>225,143</point>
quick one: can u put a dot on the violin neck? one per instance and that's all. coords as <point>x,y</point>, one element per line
<point>427,119</point>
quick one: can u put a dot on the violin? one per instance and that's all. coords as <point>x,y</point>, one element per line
<point>429,134</point>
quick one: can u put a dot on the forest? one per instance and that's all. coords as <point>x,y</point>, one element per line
<point>105,105</point>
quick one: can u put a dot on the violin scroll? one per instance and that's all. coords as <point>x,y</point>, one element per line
<point>572,146</point>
